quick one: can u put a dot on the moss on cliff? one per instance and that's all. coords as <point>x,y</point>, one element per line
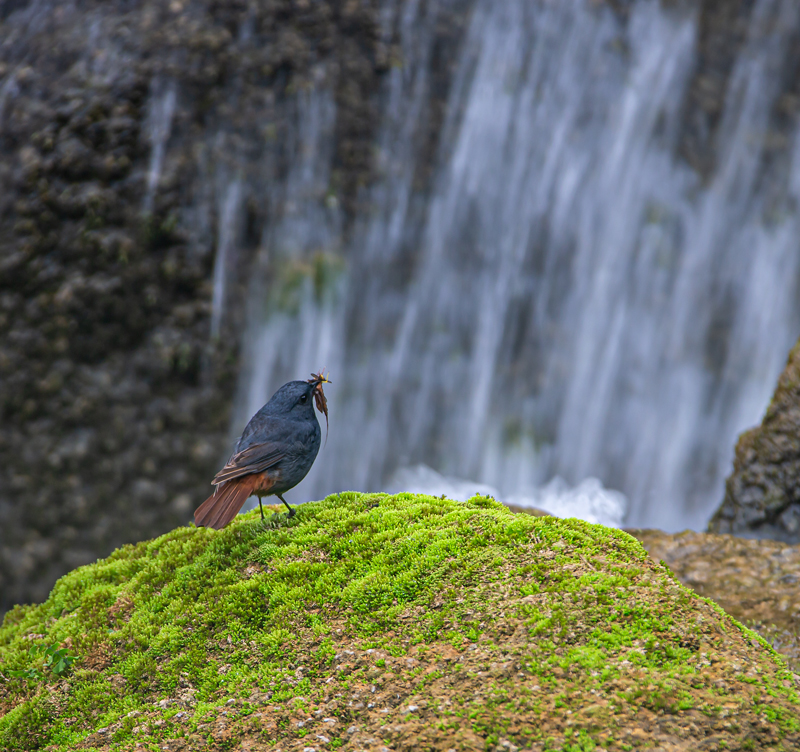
<point>413,620</point>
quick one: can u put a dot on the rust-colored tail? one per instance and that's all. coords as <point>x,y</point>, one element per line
<point>224,504</point>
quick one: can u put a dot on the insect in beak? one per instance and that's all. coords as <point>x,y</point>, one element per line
<point>317,380</point>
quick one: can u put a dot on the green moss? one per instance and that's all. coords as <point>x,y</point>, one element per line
<point>321,271</point>
<point>264,609</point>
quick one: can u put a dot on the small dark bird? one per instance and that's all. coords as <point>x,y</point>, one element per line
<point>275,452</point>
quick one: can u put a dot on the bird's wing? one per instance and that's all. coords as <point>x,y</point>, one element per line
<point>255,459</point>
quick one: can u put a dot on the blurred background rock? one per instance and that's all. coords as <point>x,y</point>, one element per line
<point>529,240</point>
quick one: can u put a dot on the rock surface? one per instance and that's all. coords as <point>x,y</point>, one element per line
<point>403,622</point>
<point>762,495</point>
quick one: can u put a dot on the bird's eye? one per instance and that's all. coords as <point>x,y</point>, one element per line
<point>304,399</point>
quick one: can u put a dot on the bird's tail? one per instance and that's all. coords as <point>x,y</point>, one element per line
<point>226,501</point>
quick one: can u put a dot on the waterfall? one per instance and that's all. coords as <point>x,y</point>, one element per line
<point>564,295</point>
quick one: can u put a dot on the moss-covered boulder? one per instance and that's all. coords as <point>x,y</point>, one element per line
<point>405,622</point>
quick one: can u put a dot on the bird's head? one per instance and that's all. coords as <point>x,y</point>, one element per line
<point>295,399</point>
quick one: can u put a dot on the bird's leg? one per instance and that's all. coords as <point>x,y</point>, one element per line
<point>261,508</point>
<point>291,511</point>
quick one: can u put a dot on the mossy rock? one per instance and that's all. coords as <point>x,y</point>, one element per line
<point>406,622</point>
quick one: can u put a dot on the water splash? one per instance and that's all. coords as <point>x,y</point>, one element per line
<point>588,501</point>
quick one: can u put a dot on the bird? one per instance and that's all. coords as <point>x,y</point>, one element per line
<point>273,454</point>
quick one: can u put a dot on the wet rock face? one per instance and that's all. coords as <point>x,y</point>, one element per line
<point>762,495</point>
<point>114,398</point>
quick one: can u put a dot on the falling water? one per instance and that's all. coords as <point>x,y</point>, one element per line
<point>230,212</point>
<point>298,328</point>
<point>567,297</point>
<point>159,126</point>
